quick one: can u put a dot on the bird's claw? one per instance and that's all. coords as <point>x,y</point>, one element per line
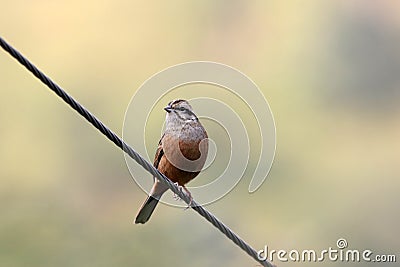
<point>190,197</point>
<point>176,197</point>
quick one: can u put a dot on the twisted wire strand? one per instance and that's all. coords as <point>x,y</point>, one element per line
<point>131,152</point>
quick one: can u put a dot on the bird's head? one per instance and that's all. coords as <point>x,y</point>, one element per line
<point>180,110</point>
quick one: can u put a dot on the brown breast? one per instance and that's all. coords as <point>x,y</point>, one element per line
<point>187,150</point>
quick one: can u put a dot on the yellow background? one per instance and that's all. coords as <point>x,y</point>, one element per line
<point>330,71</point>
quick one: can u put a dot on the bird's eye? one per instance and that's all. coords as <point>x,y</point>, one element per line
<point>181,108</point>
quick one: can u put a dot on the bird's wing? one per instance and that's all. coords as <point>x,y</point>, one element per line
<point>159,153</point>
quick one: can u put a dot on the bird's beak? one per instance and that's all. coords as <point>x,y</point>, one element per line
<point>168,109</point>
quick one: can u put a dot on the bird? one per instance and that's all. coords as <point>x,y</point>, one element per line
<point>180,155</point>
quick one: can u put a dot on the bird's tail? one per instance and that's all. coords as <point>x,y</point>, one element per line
<point>147,209</point>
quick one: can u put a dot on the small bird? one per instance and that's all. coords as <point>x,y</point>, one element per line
<point>181,153</point>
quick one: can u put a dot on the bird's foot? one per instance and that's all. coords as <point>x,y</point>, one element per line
<point>190,197</point>
<point>175,196</point>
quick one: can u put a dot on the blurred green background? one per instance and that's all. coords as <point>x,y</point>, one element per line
<point>330,71</point>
